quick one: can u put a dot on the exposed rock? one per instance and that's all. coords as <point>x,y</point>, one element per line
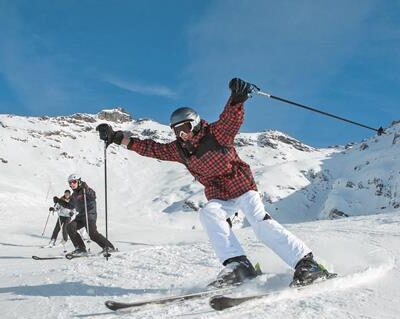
<point>83,117</point>
<point>118,115</point>
<point>66,155</point>
<point>335,214</point>
<point>349,145</point>
<point>87,128</point>
<point>396,138</point>
<point>3,160</point>
<point>363,146</point>
<point>350,184</point>
<point>271,139</point>
<point>55,133</point>
<point>51,133</point>
<point>396,204</point>
<point>24,140</point>
<point>192,205</point>
<point>395,122</point>
<point>295,143</point>
<point>241,141</point>
<point>150,133</point>
<point>264,140</point>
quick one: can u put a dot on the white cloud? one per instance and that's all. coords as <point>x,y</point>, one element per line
<point>146,89</point>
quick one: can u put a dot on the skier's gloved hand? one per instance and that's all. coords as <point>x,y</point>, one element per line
<point>56,199</point>
<point>108,135</point>
<point>51,209</point>
<point>240,90</point>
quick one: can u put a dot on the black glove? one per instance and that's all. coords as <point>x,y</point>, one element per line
<point>240,90</point>
<point>108,135</point>
<point>63,203</point>
<point>51,209</point>
<point>56,199</point>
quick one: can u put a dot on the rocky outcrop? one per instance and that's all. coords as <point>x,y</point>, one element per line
<point>117,115</point>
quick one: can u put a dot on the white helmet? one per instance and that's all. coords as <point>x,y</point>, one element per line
<point>74,177</point>
<point>74,181</point>
<point>185,114</point>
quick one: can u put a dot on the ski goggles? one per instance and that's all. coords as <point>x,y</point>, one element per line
<point>183,128</point>
<point>73,182</point>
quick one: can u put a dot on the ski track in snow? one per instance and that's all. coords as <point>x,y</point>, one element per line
<point>78,288</point>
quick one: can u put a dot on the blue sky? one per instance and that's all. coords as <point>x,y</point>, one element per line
<point>64,57</point>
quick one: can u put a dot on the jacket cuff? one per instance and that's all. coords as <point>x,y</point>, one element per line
<point>130,144</point>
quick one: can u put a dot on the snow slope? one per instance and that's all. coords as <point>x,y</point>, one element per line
<point>154,222</point>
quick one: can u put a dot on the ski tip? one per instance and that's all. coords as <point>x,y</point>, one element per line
<point>220,302</point>
<point>110,305</point>
<point>46,258</point>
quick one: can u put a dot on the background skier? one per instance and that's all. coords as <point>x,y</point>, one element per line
<point>208,152</point>
<point>64,216</point>
<point>83,200</point>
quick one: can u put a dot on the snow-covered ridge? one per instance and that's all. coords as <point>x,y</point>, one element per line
<point>298,182</point>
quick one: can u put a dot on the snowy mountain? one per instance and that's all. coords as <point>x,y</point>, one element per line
<point>298,182</point>
<point>153,208</point>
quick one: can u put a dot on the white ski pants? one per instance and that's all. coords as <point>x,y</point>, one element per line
<point>213,219</point>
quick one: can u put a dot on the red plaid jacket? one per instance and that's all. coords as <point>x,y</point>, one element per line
<point>224,175</point>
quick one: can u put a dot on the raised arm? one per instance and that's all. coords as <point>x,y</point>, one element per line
<point>228,124</point>
<point>230,120</point>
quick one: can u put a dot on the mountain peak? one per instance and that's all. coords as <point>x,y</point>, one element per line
<point>117,115</point>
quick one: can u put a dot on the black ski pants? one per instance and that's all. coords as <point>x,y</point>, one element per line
<point>64,223</point>
<point>94,235</point>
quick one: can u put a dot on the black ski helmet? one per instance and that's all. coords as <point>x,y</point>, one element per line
<point>184,114</point>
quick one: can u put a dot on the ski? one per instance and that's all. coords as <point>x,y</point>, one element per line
<point>116,305</point>
<point>221,302</point>
<point>48,257</point>
<point>70,256</point>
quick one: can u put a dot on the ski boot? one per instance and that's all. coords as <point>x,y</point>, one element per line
<point>51,244</point>
<point>62,243</point>
<point>106,251</point>
<point>237,270</point>
<point>78,252</point>
<point>308,270</point>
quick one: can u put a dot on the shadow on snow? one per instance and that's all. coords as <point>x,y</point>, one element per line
<point>65,289</point>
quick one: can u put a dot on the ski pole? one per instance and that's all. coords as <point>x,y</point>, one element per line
<point>62,232</point>
<point>106,253</point>
<point>87,216</point>
<point>256,90</point>
<point>45,225</point>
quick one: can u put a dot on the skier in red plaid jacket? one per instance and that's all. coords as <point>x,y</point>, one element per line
<point>208,152</point>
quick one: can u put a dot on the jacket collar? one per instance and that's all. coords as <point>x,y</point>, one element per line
<point>194,143</point>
